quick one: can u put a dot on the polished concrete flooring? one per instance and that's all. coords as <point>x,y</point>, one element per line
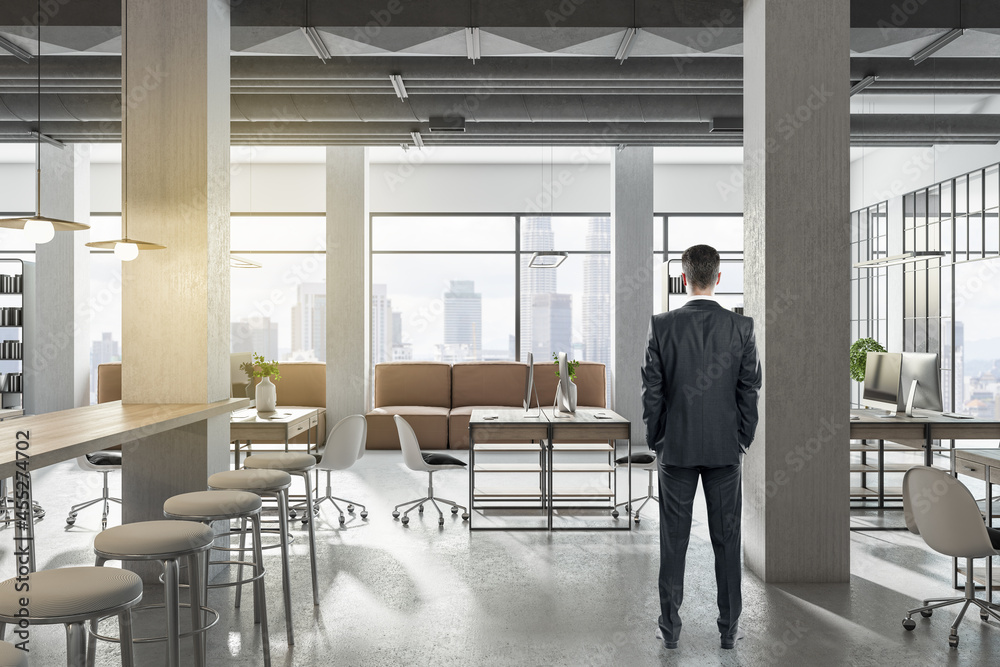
<point>424,595</point>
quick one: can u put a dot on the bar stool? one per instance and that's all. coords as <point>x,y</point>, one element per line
<point>11,656</point>
<point>168,542</point>
<point>273,484</point>
<point>208,506</point>
<point>294,463</point>
<point>73,596</point>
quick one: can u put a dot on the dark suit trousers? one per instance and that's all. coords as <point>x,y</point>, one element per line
<point>724,497</point>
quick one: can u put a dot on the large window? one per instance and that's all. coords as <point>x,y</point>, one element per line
<point>458,287</point>
<point>869,286</point>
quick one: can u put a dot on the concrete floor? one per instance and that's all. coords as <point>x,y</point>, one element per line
<point>420,595</point>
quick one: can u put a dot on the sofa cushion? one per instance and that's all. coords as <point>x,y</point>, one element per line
<point>413,383</point>
<point>302,383</point>
<point>429,423</point>
<point>590,384</point>
<point>488,383</point>
<point>109,382</point>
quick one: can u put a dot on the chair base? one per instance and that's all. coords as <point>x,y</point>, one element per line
<point>630,504</point>
<point>418,504</point>
<point>333,501</point>
<point>986,609</point>
<point>105,498</point>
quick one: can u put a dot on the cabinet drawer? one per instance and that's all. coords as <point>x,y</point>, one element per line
<point>314,421</point>
<point>301,427</point>
<point>976,469</point>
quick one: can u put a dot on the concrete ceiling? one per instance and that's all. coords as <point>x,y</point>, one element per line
<point>547,75</point>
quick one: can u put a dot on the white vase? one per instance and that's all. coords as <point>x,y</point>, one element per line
<point>267,395</point>
<point>566,403</point>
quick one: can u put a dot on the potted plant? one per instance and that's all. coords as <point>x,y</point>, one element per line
<point>859,356</point>
<point>267,396</point>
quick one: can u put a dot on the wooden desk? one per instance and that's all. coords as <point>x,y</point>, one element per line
<point>283,424</point>
<point>546,434</point>
<point>984,465</point>
<point>60,436</point>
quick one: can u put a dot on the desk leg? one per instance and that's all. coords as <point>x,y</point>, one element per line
<point>989,522</point>
<point>928,446</point>
<point>549,491</point>
<point>24,522</point>
<point>472,477</point>
<point>881,474</point>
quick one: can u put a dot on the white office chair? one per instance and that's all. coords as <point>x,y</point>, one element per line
<point>429,463</point>
<point>943,512</point>
<point>640,461</point>
<point>344,446</point>
<point>104,462</point>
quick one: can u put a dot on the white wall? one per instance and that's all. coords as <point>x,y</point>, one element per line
<point>17,188</point>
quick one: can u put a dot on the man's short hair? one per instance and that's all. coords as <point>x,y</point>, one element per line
<point>700,264</point>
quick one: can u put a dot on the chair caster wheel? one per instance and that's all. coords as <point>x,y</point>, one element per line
<point>927,614</point>
<point>628,508</point>
<point>71,519</point>
<point>364,514</point>
<point>420,509</point>
<point>454,510</point>
<point>614,513</point>
<point>909,624</point>
<point>636,521</point>
<point>984,617</point>
<point>405,520</point>
<point>350,509</point>
<point>395,514</point>
<point>441,521</point>
<point>465,516</point>
<point>291,514</point>
<point>953,641</point>
<point>341,519</point>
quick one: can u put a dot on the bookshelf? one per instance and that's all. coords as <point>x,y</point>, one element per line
<point>16,288</point>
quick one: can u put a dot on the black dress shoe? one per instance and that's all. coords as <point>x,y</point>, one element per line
<point>666,644</point>
<point>730,642</point>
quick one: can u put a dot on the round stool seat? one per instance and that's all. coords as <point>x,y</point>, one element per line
<point>212,504</point>
<point>250,480</point>
<point>72,592</point>
<point>290,461</point>
<point>11,656</point>
<point>149,539</point>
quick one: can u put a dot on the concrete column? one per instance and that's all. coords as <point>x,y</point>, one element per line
<point>348,341</point>
<point>58,370</point>
<point>796,200</point>
<point>175,302</point>
<point>632,278</point>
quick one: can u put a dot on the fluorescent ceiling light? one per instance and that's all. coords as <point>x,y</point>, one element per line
<point>15,50</point>
<point>726,125</point>
<point>946,39</point>
<point>47,139</point>
<point>626,45</point>
<point>316,42</point>
<point>906,257</point>
<point>472,44</point>
<point>449,123</point>
<point>864,83</point>
<point>418,141</point>
<point>397,85</point>
<point>547,260</point>
<point>237,262</point>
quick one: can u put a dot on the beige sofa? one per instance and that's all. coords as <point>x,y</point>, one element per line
<point>302,384</point>
<point>437,399</point>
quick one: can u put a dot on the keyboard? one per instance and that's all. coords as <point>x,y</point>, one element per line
<point>956,415</point>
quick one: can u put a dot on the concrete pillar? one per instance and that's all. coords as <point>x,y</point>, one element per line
<point>632,278</point>
<point>175,302</point>
<point>348,341</point>
<point>796,200</point>
<point>57,372</point>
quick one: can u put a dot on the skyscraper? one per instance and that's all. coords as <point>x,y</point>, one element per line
<point>309,322</point>
<point>259,335</point>
<point>536,234</point>
<point>552,325</point>
<point>597,293</point>
<point>463,320</point>
<point>382,325</point>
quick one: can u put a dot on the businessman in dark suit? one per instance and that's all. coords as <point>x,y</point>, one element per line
<point>700,381</point>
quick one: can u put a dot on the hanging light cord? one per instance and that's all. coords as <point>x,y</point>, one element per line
<point>125,124</point>
<point>38,127</point>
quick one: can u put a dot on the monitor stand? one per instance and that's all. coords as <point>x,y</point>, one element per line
<point>538,406</point>
<point>909,402</point>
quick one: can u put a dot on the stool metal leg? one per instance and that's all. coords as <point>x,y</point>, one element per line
<point>286,582</point>
<point>125,633</point>
<point>312,536</point>
<point>239,568</point>
<point>76,644</point>
<point>260,604</point>
<point>195,573</point>
<point>171,591</point>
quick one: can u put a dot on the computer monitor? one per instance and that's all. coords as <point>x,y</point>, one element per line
<point>237,377</point>
<point>564,380</point>
<point>882,372</point>
<point>529,386</point>
<point>923,369</point>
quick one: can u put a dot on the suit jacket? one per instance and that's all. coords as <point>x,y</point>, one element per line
<point>700,382</point>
